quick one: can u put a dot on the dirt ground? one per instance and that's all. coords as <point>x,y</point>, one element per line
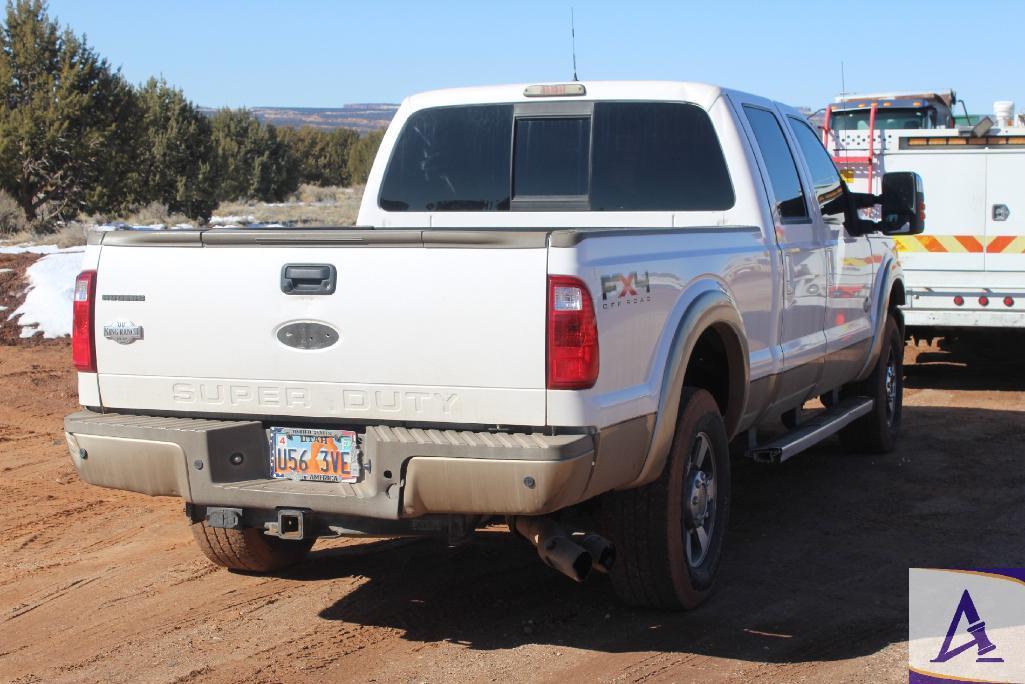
<point>100,585</point>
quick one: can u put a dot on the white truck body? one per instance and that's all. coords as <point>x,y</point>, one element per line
<point>967,270</point>
<point>427,334</point>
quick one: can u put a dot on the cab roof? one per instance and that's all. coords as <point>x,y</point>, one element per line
<point>702,94</point>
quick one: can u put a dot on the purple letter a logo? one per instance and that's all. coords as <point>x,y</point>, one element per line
<point>976,627</point>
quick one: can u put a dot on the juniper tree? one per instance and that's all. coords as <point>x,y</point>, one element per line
<point>361,156</point>
<point>253,162</point>
<point>66,118</point>
<point>176,165</point>
<point>323,155</point>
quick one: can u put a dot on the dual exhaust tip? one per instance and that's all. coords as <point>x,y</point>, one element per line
<point>573,554</point>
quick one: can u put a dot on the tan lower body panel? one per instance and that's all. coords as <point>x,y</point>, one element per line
<point>415,471</point>
<point>493,487</point>
<point>154,468</point>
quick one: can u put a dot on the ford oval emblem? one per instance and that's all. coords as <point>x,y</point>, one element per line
<point>307,335</point>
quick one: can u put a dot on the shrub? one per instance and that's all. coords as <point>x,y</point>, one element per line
<point>12,218</point>
<point>316,193</point>
<point>156,213</point>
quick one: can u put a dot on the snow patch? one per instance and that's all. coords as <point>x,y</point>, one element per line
<point>231,220</point>
<point>47,306</point>
<point>33,249</point>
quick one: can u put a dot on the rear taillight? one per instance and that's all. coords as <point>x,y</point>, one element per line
<point>83,350</point>
<point>572,335</point>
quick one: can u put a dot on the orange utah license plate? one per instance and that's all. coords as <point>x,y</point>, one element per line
<point>313,455</point>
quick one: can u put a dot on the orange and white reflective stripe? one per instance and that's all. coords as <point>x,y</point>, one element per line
<point>962,244</point>
<point>1006,244</point>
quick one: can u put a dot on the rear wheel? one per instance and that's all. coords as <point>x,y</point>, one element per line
<point>669,534</point>
<point>248,549</point>
<point>877,431</point>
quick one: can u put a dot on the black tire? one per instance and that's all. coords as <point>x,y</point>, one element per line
<point>248,549</point>
<point>877,432</point>
<point>660,561</point>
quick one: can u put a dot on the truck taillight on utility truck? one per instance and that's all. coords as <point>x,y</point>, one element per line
<point>559,307</point>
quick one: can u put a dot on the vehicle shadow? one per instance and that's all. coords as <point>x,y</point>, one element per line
<point>964,368</point>
<point>815,569</point>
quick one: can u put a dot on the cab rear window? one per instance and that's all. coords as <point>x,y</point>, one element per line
<point>621,156</point>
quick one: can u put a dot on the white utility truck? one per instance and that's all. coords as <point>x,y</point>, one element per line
<point>966,272</point>
<point>561,304</point>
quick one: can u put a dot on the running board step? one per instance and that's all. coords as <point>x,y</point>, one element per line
<point>811,433</point>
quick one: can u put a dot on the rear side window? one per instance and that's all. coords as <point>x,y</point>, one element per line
<point>451,159</point>
<point>624,156</point>
<point>786,184</point>
<point>651,156</point>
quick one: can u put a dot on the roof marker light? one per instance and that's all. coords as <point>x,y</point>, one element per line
<point>959,301</point>
<point>555,90</point>
<point>1008,301</point>
<point>984,300</point>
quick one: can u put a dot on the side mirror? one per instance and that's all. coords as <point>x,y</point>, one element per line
<point>903,204</point>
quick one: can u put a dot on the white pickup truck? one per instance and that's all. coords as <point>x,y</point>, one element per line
<point>563,305</point>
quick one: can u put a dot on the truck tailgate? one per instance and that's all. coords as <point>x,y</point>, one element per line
<point>433,333</point>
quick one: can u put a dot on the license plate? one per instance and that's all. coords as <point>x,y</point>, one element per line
<point>313,455</point>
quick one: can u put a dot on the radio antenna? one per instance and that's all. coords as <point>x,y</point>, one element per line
<point>573,41</point>
<point>843,86</point>
<point>843,105</point>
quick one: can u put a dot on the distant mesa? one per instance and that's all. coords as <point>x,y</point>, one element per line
<point>363,117</point>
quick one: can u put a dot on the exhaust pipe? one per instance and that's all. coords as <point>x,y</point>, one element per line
<point>603,553</point>
<point>561,551</point>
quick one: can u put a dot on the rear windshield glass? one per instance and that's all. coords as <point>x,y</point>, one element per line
<point>451,159</point>
<point>657,156</point>
<point>551,156</point>
<point>626,156</point>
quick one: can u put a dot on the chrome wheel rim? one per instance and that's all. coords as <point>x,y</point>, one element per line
<point>890,387</point>
<point>699,505</point>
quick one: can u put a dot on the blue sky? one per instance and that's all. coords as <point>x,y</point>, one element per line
<point>321,54</point>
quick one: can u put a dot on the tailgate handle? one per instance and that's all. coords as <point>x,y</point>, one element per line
<point>308,279</point>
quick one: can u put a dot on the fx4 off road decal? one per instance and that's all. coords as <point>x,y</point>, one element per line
<point>621,289</point>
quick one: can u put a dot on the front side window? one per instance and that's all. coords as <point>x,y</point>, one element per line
<point>779,162</point>
<point>622,156</point>
<point>828,186</point>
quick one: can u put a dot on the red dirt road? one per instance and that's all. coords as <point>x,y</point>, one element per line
<point>99,585</point>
